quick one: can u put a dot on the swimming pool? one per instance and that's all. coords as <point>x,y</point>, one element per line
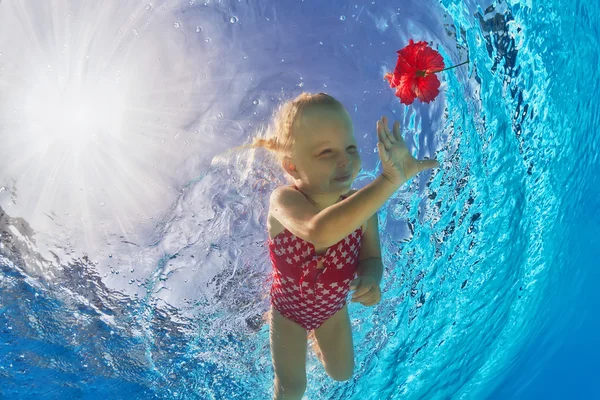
<point>133,263</point>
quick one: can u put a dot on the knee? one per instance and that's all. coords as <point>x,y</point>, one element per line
<point>289,389</point>
<point>342,375</point>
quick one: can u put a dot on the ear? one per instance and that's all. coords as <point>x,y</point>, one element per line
<point>289,167</point>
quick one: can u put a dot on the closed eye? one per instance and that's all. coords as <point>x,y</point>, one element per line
<point>329,150</point>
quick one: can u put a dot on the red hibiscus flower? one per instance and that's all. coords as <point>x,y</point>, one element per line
<point>414,76</point>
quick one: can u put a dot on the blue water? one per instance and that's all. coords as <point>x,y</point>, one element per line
<point>490,261</point>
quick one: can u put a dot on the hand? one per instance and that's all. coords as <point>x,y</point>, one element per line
<point>367,291</point>
<point>398,164</point>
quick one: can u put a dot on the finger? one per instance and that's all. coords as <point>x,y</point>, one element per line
<point>396,131</point>
<point>386,129</point>
<point>374,300</point>
<point>381,132</point>
<point>384,146</point>
<point>366,302</point>
<point>362,296</point>
<point>428,164</point>
<point>361,300</point>
<point>383,154</point>
<point>363,289</point>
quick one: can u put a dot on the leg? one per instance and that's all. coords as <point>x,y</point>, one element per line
<point>334,337</point>
<point>288,350</point>
<point>315,346</point>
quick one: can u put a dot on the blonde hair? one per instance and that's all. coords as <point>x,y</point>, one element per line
<point>279,138</point>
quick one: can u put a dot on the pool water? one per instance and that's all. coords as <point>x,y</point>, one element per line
<point>133,262</point>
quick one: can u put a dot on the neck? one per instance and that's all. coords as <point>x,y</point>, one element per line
<point>321,200</point>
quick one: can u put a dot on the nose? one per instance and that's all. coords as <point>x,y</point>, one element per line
<point>344,160</point>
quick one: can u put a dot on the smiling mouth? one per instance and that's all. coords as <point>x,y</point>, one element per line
<point>343,178</point>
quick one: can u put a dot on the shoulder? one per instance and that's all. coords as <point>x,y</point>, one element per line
<point>281,198</point>
<point>285,198</point>
<point>282,193</point>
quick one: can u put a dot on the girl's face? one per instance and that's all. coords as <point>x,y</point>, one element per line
<point>325,150</point>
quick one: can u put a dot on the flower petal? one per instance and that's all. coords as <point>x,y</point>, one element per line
<point>427,88</point>
<point>429,60</point>
<point>407,61</point>
<point>393,79</point>
<point>405,90</point>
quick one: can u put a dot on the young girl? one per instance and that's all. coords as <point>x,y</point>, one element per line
<point>323,236</point>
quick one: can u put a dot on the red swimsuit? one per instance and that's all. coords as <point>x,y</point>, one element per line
<point>302,292</point>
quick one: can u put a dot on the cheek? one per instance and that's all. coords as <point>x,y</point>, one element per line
<point>358,162</point>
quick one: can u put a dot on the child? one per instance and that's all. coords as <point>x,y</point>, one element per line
<point>323,236</point>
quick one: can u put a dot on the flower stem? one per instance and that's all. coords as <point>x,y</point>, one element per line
<point>445,69</point>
